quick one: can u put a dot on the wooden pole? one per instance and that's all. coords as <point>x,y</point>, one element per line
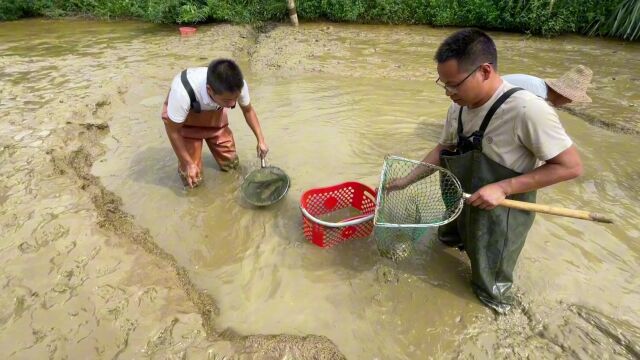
<point>552,210</point>
<point>293,15</point>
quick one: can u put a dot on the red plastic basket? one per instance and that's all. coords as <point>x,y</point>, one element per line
<point>320,201</point>
<point>186,30</point>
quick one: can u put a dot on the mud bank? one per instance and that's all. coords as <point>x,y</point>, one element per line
<point>152,307</point>
<point>111,218</point>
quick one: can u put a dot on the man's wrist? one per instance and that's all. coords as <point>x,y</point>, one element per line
<point>506,186</point>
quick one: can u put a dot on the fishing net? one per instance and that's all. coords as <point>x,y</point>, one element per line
<point>265,186</point>
<point>412,197</point>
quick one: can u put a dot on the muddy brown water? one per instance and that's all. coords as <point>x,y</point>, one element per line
<point>333,100</point>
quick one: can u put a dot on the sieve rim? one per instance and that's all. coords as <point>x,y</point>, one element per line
<point>246,181</point>
<point>376,220</point>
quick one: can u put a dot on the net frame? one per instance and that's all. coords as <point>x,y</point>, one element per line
<point>250,179</point>
<point>377,221</point>
<point>400,225</point>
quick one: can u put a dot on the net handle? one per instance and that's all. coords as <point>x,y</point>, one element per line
<point>358,220</point>
<point>552,210</point>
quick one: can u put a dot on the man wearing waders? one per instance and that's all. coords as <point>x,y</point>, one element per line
<point>500,142</point>
<point>196,110</point>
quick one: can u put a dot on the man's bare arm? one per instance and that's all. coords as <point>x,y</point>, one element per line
<point>191,170</point>
<point>433,157</point>
<point>564,166</point>
<point>251,118</point>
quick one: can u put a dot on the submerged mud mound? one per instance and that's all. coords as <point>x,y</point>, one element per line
<point>556,331</point>
<point>112,218</point>
<point>611,124</point>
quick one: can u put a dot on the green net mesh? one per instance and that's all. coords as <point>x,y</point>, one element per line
<point>412,197</point>
<point>265,186</point>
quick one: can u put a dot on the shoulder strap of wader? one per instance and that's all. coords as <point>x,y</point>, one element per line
<point>460,129</point>
<point>495,106</point>
<point>491,112</point>
<point>195,105</point>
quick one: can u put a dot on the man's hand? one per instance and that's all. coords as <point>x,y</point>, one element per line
<point>488,196</point>
<point>192,174</point>
<point>397,184</point>
<point>262,149</point>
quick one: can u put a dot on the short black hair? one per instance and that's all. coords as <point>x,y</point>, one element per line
<point>470,47</point>
<point>224,76</point>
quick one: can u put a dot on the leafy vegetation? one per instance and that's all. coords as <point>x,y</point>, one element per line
<point>624,22</point>
<point>619,18</point>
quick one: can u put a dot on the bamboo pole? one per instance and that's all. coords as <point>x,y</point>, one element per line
<point>552,210</point>
<point>293,15</point>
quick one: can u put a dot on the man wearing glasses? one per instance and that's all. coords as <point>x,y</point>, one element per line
<point>499,142</point>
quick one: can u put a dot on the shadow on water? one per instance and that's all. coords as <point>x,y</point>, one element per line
<point>157,165</point>
<point>150,165</point>
<point>439,266</point>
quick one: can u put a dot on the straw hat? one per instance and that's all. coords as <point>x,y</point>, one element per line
<point>573,84</point>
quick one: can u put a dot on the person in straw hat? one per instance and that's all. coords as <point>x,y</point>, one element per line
<point>570,87</point>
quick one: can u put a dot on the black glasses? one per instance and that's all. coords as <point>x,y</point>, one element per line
<point>454,88</point>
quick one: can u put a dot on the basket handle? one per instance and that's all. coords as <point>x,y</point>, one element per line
<point>356,221</point>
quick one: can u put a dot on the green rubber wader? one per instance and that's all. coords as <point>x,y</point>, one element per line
<point>492,239</point>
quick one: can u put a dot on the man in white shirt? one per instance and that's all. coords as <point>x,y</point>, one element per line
<point>499,141</point>
<point>570,87</point>
<point>196,110</point>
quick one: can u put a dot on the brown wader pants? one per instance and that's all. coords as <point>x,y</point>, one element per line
<point>211,126</point>
<point>218,136</point>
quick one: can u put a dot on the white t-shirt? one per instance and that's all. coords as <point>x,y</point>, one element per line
<point>523,133</point>
<point>530,83</point>
<point>179,102</point>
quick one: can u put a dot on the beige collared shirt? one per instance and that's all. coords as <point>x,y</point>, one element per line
<point>523,133</point>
